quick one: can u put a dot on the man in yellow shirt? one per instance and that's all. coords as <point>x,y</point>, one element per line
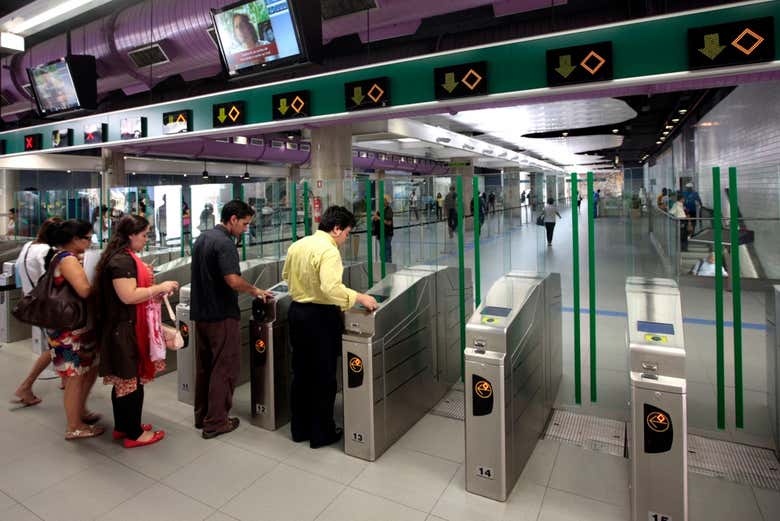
<point>313,272</point>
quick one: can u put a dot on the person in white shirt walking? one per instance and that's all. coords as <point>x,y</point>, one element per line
<point>550,215</point>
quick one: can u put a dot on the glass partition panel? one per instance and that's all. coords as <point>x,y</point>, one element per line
<point>207,201</point>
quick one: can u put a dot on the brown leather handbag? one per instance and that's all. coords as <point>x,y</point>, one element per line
<point>50,306</point>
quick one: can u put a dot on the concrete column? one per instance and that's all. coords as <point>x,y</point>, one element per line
<point>112,165</point>
<point>510,180</point>
<point>331,163</point>
<point>8,185</point>
<point>293,177</point>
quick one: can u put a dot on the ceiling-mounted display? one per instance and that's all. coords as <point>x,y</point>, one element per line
<point>228,114</point>
<point>132,128</point>
<point>289,105</point>
<point>580,64</point>
<point>458,81</point>
<point>33,142</point>
<point>735,43</point>
<point>367,94</point>
<point>177,122</point>
<point>64,85</point>
<point>257,34</point>
<point>95,133</point>
<point>62,137</point>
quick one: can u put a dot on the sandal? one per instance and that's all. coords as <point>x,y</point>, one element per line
<point>118,435</point>
<point>89,432</point>
<point>91,418</point>
<point>23,401</point>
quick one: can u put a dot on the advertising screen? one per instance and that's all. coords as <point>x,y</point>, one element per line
<point>254,34</point>
<point>132,128</point>
<point>54,88</point>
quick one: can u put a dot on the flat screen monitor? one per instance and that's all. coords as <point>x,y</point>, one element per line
<point>132,128</point>
<point>64,85</point>
<point>257,34</point>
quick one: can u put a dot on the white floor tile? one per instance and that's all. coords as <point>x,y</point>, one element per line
<point>18,513</point>
<point>410,478</point>
<point>355,505</point>
<point>284,494</point>
<point>456,504</point>
<point>220,516</point>
<point>437,436</point>
<point>713,498</point>
<point>6,501</point>
<point>575,469</point>
<point>275,444</point>
<point>563,506</point>
<point>219,474</point>
<point>89,493</point>
<point>159,503</point>
<point>768,502</point>
<point>329,462</point>
<point>539,466</point>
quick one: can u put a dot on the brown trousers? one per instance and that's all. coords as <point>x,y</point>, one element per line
<point>217,370</point>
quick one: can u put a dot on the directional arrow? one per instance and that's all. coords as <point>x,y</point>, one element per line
<point>712,47</point>
<point>222,116</point>
<point>283,106</point>
<point>449,82</point>
<point>170,118</point>
<point>357,95</point>
<point>565,67</point>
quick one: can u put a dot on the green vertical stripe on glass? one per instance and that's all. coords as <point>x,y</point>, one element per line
<point>477,292</point>
<point>575,256</point>
<point>461,278</point>
<point>736,298</point>
<point>306,215</point>
<point>717,228</point>
<point>592,286</point>
<point>369,237</point>
<point>381,204</point>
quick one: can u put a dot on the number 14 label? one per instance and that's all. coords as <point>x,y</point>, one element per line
<point>655,516</point>
<point>485,472</point>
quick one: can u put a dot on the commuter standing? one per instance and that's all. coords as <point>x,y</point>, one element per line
<point>663,200</point>
<point>413,206</point>
<point>216,279</point>
<point>162,221</point>
<point>678,211</point>
<point>579,201</point>
<point>550,214</point>
<point>29,269</point>
<point>452,212</point>
<point>313,271</point>
<point>186,225</point>
<point>692,205</point>
<point>388,228</point>
<point>439,205</point>
<point>596,199</point>
<point>125,289</point>
<point>492,202</point>
<point>11,228</point>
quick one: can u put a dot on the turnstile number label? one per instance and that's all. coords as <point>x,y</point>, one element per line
<point>358,437</point>
<point>260,409</point>
<point>485,472</point>
<point>655,516</point>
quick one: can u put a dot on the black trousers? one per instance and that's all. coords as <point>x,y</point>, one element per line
<point>315,337</point>
<point>550,229</point>
<point>127,412</point>
<point>216,371</point>
<point>452,219</point>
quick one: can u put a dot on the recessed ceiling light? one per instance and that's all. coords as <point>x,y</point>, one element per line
<point>666,132</point>
<point>675,120</point>
<point>682,111</point>
<point>658,142</point>
<point>69,171</point>
<point>565,134</point>
<point>669,127</point>
<point>615,131</point>
<point>185,175</point>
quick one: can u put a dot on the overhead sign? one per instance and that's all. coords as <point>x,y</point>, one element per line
<point>228,114</point>
<point>734,43</point>
<point>95,132</point>
<point>177,122</point>
<point>580,64</point>
<point>33,142</point>
<point>458,81</point>
<point>367,94</point>
<point>290,105</point>
<point>62,137</point>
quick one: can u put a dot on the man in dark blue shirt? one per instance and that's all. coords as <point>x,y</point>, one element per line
<point>216,279</point>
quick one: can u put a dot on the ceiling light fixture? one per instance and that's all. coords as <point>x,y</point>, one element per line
<point>58,11</point>
<point>443,140</point>
<point>615,131</point>
<point>675,120</point>
<point>246,177</point>
<point>565,134</point>
<point>658,142</point>
<point>669,127</point>
<point>665,132</point>
<point>205,174</point>
<point>682,111</point>
<point>133,172</point>
<point>70,171</point>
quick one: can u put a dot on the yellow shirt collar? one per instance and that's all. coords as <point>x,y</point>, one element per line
<point>330,238</point>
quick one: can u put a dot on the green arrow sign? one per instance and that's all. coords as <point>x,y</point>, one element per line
<point>283,106</point>
<point>357,95</point>
<point>222,116</point>
<point>449,82</point>
<point>565,67</point>
<point>712,47</point>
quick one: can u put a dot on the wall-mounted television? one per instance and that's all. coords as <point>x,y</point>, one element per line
<point>255,35</point>
<point>132,128</point>
<point>64,85</point>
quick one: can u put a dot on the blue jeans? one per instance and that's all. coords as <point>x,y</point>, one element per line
<point>388,248</point>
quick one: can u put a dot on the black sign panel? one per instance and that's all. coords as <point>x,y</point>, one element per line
<point>177,122</point>
<point>2,146</point>
<point>367,94</point>
<point>659,432</point>
<point>580,64</point>
<point>228,114</point>
<point>354,370</point>
<point>95,133</point>
<point>481,396</point>
<point>62,137</point>
<point>290,105</point>
<point>459,81</point>
<point>33,142</point>
<point>734,43</point>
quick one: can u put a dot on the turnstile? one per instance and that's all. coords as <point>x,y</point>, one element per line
<point>356,274</point>
<point>773,363</point>
<point>658,433</point>
<point>387,362</point>
<point>11,330</point>
<point>513,371</point>
<point>186,357</point>
<point>270,360</point>
<point>179,270</point>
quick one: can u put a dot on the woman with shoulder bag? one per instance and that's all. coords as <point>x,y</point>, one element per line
<point>125,290</point>
<point>73,350</point>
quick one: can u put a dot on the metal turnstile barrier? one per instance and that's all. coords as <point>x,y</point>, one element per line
<point>186,357</point>
<point>356,274</point>
<point>513,371</point>
<point>773,363</point>
<point>270,360</point>
<point>658,434</point>
<point>11,330</point>
<point>387,362</point>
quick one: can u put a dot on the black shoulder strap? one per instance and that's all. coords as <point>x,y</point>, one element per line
<point>26,267</point>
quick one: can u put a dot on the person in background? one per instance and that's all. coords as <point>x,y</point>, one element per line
<point>706,267</point>
<point>662,201</point>
<point>11,228</point>
<point>678,211</point>
<point>216,282</point>
<point>413,206</point>
<point>492,202</point>
<point>596,200</point>
<point>186,225</point>
<point>206,217</point>
<point>313,271</point>
<point>74,352</point>
<point>388,228</point>
<point>439,205</point>
<point>579,201</point>
<point>29,269</point>
<point>550,214</point>
<point>162,221</point>
<point>692,205</point>
<point>452,213</point>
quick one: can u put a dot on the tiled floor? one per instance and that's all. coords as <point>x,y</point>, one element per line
<point>253,474</point>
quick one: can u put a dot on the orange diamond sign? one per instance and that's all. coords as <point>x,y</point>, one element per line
<point>471,79</point>
<point>747,50</point>
<point>375,92</point>
<point>593,67</point>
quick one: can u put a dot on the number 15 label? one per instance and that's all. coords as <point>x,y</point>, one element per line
<point>655,516</point>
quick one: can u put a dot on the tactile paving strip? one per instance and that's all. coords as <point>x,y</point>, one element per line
<point>589,432</point>
<point>735,462</point>
<point>452,405</point>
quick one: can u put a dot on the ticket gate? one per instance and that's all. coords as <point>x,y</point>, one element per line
<point>773,363</point>
<point>270,360</point>
<point>179,270</point>
<point>388,363</point>
<point>356,274</point>
<point>186,361</point>
<point>11,329</point>
<point>658,441</point>
<point>512,351</point>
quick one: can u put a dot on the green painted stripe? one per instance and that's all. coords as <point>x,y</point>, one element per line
<point>717,229</point>
<point>381,204</point>
<point>575,257</point>
<point>294,209</point>
<point>475,188</point>
<point>461,278</point>
<point>306,216</point>
<point>369,237</point>
<point>736,298</point>
<point>592,288</point>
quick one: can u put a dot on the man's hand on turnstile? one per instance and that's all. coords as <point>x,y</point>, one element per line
<point>262,294</point>
<point>367,301</point>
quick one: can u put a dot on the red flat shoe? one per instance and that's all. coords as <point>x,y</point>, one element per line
<point>121,435</point>
<point>158,435</point>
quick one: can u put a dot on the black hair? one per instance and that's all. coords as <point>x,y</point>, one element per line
<point>550,201</point>
<point>12,211</point>
<point>238,208</point>
<point>337,216</point>
<point>61,233</point>
<point>45,230</point>
<point>120,239</point>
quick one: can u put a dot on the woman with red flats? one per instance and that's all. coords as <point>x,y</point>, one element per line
<point>124,288</point>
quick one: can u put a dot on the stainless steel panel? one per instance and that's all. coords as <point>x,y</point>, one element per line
<point>11,329</point>
<point>186,357</point>
<point>773,363</point>
<point>356,274</point>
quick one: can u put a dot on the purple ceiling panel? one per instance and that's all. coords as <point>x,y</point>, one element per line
<point>507,7</point>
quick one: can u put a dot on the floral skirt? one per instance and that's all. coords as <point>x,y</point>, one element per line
<point>125,386</point>
<point>72,352</point>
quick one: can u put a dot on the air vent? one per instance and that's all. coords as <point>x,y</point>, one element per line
<point>257,141</point>
<point>336,8</point>
<point>213,34</point>
<point>277,144</point>
<point>291,145</point>
<point>149,55</point>
<point>305,147</point>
